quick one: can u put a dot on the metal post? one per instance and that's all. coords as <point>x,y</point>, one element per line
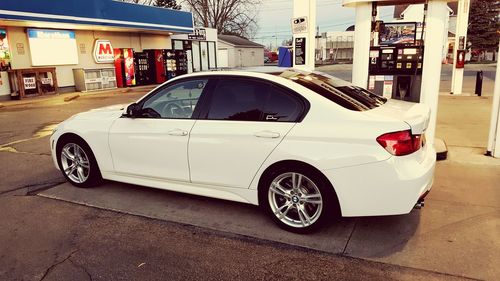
<point>494,136</point>
<point>460,39</point>
<point>305,9</point>
<point>479,83</point>
<point>431,74</point>
<point>362,35</point>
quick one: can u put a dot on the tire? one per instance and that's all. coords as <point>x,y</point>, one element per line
<point>77,162</point>
<point>299,208</point>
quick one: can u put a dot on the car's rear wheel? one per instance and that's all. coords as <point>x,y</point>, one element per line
<point>298,200</point>
<point>77,163</point>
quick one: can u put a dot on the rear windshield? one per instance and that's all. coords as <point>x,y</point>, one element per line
<point>339,91</point>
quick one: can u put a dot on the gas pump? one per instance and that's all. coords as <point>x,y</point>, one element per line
<point>395,67</point>
<point>396,72</point>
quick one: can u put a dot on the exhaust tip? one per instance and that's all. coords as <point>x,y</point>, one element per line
<point>420,204</point>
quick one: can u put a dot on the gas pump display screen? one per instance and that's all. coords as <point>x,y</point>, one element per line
<point>398,34</point>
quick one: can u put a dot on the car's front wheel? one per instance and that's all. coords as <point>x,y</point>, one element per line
<point>77,163</point>
<point>298,200</point>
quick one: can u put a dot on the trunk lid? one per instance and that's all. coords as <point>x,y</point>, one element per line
<point>416,115</point>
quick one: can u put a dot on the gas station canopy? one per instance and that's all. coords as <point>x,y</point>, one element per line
<point>94,15</point>
<point>352,3</point>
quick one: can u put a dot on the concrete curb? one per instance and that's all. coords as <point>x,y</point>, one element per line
<point>72,97</point>
<point>441,149</point>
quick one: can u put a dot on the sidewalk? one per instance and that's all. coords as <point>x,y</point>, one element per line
<point>463,123</point>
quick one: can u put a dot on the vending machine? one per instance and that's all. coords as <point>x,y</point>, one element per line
<point>170,62</point>
<point>160,67</point>
<point>144,68</point>
<point>157,65</point>
<point>181,62</point>
<point>124,67</point>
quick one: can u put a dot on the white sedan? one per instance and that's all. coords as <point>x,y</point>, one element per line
<point>305,146</point>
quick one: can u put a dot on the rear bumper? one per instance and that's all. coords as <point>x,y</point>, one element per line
<point>389,187</point>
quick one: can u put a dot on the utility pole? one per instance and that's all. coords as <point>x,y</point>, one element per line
<point>460,45</point>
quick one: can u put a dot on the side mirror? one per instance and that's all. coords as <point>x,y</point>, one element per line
<point>133,110</point>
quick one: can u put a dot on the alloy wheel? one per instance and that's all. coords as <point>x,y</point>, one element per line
<point>75,163</point>
<point>295,200</point>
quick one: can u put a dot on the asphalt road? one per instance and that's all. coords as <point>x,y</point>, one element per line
<point>46,239</point>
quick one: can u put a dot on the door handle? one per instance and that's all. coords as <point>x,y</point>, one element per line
<point>267,134</point>
<point>178,132</point>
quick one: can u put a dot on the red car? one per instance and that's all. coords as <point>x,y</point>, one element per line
<point>272,56</point>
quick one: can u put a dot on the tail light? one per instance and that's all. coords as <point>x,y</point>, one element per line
<point>400,143</point>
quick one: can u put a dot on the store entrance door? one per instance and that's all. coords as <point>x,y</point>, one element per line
<point>196,56</point>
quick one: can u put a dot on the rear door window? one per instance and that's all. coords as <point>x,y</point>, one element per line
<point>282,106</point>
<point>238,99</point>
<point>247,99</point>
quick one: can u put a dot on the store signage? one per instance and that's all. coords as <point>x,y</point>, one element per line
<point>51,47</point>
<point>50,34</point>
<point>29,83</point>
<point>46,80</point>
<point>198,34</point>
<point>300,51</point>
<point>299,25</point>
<point>103,51</point>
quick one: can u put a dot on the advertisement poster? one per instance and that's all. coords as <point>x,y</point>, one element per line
<point>300,51</point>
<point>4,50</point>
<point>398,33</point>
<point>128,56</point>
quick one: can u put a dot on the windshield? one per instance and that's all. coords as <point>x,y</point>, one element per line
<point>339,91</point>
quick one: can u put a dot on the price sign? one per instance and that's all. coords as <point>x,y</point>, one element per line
<point>29,83</point>
<point>46,80</point>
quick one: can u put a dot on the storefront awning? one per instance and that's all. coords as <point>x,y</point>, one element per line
<point>106,13</point>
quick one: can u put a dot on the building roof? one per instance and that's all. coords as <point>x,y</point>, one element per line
<point>238,41</point>
<point>399,9</point>
<point>94,15</point>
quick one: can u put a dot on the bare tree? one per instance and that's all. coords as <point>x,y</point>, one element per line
<point>172,4</point>
<point>237,17</point>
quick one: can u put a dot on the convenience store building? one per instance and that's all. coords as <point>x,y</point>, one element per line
<point>79,34</point>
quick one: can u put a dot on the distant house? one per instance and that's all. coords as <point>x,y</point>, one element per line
<point>235,51</point>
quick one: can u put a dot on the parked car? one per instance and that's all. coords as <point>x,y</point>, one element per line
<point>305,146</point>
<point>272,56</point>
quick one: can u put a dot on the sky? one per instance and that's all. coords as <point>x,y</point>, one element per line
<point>275,19</point>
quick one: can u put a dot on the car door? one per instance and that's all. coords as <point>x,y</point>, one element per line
<point>246,118</point>
<point>154,143</point>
